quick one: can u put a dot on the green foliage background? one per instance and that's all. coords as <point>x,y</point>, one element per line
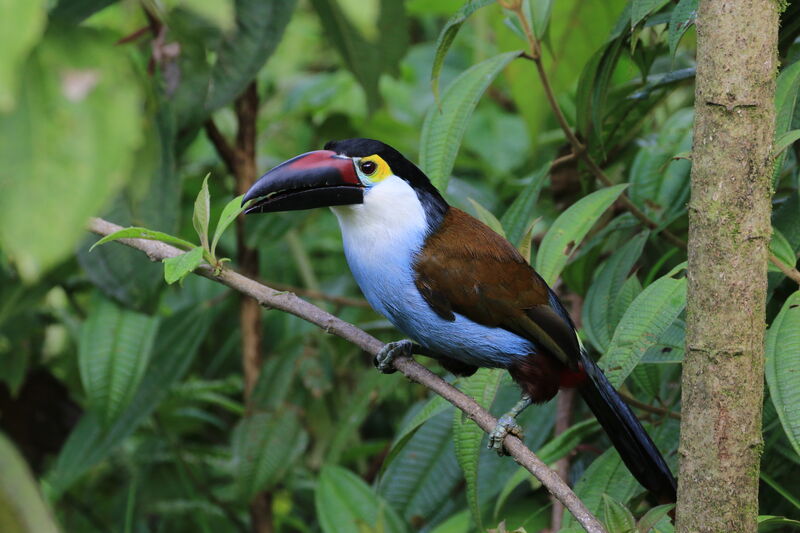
<point>124,396</point>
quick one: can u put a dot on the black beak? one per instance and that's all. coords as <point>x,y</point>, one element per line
<point>315,179</point>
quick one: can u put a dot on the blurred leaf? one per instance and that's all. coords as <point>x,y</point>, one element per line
<point>569,229</point>
<point>682,18</point>
<point>486,216</point>
<point>264,446</point>
<point>345,503</point>
<point>616,517</point>
<point>782,367</point>
<point>432,407</point>
<point>642,8</point>
<point>89,443</point>
<point>202,213</point>
<point>597,317</point>
<point>780,489</point>
<point>218,12</point>
<point>144,233</point>
<point>768,523</point>
<point>467,436</point>
<point>275,380</point>
<point>21,26</point>
<point>80,111</point>
<point>114,351</point>
<point>425,474</point>
<point>779,246</point>
<point>646,319</point>
<point>178,267</point>
<point>786,89</point>
<point>784,141</point>
<point>366,60</point>
<point>229,213</point>
<point>21,507</point>
<point>526,242</point>
<point>259,27</point>
<point>448,35</point>
<point>540,16</point>
<point>652,517</point>
<point>519,214</point>
<point>76,11</point>
<point>444,126</point>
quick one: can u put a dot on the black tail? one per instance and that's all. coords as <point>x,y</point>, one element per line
<point>630,439</point>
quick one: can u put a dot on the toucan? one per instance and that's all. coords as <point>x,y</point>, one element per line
<point>461,292</point>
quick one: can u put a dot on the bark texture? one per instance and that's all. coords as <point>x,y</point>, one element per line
<point>729,231</point>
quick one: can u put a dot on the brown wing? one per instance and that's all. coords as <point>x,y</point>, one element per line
<point>467,268</point>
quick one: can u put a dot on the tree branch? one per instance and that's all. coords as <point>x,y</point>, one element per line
<point>290,303</point>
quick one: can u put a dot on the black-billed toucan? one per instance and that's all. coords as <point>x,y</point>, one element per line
<point>454,286</point>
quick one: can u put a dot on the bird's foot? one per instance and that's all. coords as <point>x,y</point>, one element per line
<point>506,425</point>
<point>384,361</point>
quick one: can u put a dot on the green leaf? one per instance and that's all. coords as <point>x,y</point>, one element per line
<point>779,246</point>
<point>520,213</point>
<point>526,242</point>
<point>264,446</point>
<point>345,503</point>
<point>650,314</point>
<point>652,517</point>
<point>178,267</point>
<point>682,18</point>
<point>219,13</point>
<point>444,126</point>
<point>90,442</point>
<point>21,26</point>
<point>73,12</point>
<point>642,8</point>
<point>448,35</point>
<point>598,316</point>
<point>467,436</point>
<point>617,517</point>
<point>786,89</point>
<point>433,407</point>
<point>767,523</point>
<point>259,27</point>
<point>784,141</point>
<point>232,210</point>
<point>72,135</point>
<point>22,509</point>
<point>202,213</point>
<point>144,233</point>
<point>569,229</point>
<point>540,16</point>
<point>114,351</point>
<point>782,367</point>
<point>486,216</point>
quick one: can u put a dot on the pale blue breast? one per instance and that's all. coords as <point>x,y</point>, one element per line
<point>380,257</point>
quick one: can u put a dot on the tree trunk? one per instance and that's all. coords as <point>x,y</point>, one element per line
<point>729,231</point>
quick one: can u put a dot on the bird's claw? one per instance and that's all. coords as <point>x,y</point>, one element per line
<point>505,425</point>
<point>384,361</point>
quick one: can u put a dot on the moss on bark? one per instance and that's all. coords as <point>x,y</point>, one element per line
<point>729,233</point>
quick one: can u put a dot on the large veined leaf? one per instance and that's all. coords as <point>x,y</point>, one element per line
<point>448,35</point>
<point>569,229</point>
<point>468,437</point>
<point>264,446</point>
<point>423,477</point>
<point>444,125</point>
<point>431,408</point>
<point>345,503</point>
<point>78,115</point>
<point>786,89</point>
<point>20,27</point>
<point>648,317</point>
<point>520,213</point>
<point>114,351</point>
<point>21,507</point>
<point>782,367</point>
<point>603,292</point>
<point>90,442</point>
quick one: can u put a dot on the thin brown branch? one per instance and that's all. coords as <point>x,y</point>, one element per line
<point>319,295</point>
<point>564,404</point>
<point>791,272</point>
<point>577,146</point>
<point>268,297</point>
<point>661,411</point>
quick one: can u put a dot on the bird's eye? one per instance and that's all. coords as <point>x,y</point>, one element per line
<point>368,167</point>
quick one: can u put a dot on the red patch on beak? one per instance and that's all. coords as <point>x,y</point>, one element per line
<point>328,158</point>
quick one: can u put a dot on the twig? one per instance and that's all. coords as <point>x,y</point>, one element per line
<point>564,404</point>
<point>221,144</point>
<point>319,295</point>
<point>630,400</point>
<point>790,271</point>
<point>290,303</point>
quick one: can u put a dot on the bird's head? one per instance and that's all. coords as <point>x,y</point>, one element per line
<point>349,172</point>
